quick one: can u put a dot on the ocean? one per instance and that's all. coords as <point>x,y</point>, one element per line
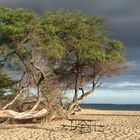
<point>125,107</point>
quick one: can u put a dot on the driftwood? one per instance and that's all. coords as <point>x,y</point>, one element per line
<point>23,115</point>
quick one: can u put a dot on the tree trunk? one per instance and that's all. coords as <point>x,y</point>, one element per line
<point>77,101</point>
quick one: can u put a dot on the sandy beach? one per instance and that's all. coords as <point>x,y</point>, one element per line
<point>118,125</point>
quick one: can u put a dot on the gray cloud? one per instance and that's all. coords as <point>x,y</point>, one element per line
<point>109,8</point>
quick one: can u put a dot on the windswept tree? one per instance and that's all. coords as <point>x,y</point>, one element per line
<point>55,53</point>
<point>87,53</point>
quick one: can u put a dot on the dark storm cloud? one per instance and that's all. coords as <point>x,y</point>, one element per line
<point>123,21</point>
<point>123,16</point>
<point>109,8</point>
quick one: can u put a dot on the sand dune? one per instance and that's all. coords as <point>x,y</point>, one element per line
<point>122,125</point>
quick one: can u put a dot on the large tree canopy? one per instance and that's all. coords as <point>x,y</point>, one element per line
<point>56,52</point>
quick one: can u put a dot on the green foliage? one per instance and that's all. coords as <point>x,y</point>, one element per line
<point>59,34</point>
<point>79,34</point>
<point>15,25</point>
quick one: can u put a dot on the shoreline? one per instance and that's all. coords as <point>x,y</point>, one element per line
<point>108,112</point>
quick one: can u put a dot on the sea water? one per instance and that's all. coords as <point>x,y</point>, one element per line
<point>127,107</point>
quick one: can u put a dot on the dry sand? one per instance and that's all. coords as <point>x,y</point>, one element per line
<point>118,125</point>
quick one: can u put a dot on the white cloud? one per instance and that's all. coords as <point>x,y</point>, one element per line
<point>125,84</point>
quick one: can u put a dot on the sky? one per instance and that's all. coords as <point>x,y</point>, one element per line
<point>122,22</point>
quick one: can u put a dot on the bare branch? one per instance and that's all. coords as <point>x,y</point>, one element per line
<point>99,84</point>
